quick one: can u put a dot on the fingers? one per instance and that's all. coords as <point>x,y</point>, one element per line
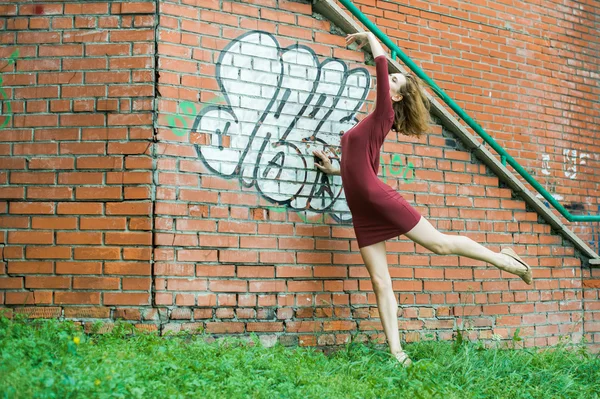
<point>321,168</point>
<point>321,156</point>
<point>362,36</point>
<point>352,38</point>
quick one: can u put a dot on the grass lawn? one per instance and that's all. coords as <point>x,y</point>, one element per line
<point>51,359</point>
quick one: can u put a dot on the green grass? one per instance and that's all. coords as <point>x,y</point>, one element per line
<point>40,359</point>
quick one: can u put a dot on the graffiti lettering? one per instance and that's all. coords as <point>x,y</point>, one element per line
<point>571,162</point>
<point>180,122</point>
<point>546,164</point>
<point>282,103</point>
<point>396,168</point>
<point>3,96</point>
<point>571,159</point>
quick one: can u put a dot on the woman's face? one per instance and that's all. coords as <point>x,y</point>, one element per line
<point>397,80</point>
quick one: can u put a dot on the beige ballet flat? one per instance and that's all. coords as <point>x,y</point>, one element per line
<point>403,358</point>
<point>526,275</point>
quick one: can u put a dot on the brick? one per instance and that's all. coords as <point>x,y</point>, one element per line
<point>77,298</point>
<point>265,326</point>
<point>87,312</point>
<point>48,252</point>
<point>127,314</point>
<point>128,238</point>
<point>12,163</point>
<point>224,327</point>
<point>69,50</point>
<point>175,269</point>
<point>11,283</point>
<point>44,312</point>
<point>137,253</point>
<point>23,237</point>
<point>51,163</point>
<point>127,268</point>
<point>35,149</point>
<point>256,271</point>
<point>12,192</point>
<point>79,238</point>
<point>197,255</point>
<point>187,284</point>
<point>126,299</point>
<point>82,193</point>
<point>47,282</point>
<point>14,221</point>
<point>128,208</point>
<point>87,8</point>
<point>103,223</point>
<point>267,286</point>
<point>28,298</point>
<point>96,253</point>
<point>128,178</point>
<point>12,252</point>
<point>95,283</point>
<point>73,208</point>
<point>79,178</point>
<point>140,224</point>
<point>78,267</point>
<point>99,162</point>
<point>591,283</point>
<point>23,267</point>
<point>137,284</point>
<point>50,192</point>
<point>228,286</point>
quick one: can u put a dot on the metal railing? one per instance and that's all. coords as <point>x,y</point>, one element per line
<point>505,156</point>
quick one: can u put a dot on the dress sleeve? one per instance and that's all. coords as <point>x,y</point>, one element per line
<point>383,106</point>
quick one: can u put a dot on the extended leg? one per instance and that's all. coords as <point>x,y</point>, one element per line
<point>375,260</point>
<point>429,237</point>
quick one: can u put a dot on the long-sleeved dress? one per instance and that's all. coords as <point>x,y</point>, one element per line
<point>378,211</point>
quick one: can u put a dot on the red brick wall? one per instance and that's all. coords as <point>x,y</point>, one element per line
<point>75,164</point>
<point>255,241</point>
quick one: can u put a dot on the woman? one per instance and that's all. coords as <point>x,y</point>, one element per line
<point>378,211</point>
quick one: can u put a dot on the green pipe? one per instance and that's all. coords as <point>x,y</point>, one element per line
<point>459,111</point>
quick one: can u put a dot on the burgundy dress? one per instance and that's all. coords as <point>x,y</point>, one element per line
<point>378,211</point>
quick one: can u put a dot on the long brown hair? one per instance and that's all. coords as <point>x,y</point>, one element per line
<point>411,114</point>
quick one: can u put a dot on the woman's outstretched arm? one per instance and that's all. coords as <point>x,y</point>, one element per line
<point>383,106</point>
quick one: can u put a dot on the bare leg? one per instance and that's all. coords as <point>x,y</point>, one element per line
<point>375,260</point>
<point>443,244</point>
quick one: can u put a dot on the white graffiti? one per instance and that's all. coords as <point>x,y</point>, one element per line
<point>546,164</point>
<point>281,105</point>
<point>571,161</point>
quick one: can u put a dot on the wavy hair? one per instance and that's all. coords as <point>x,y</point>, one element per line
<point>411,114</point>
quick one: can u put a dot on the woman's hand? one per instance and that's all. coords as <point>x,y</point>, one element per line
<point>363,38</point>
<point>324,164</point>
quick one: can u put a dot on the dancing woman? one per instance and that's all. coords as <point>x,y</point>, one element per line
<point>378,211</point>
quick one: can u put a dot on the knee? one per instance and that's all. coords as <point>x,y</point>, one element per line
<point>442,246</point>
<point>381,284</point>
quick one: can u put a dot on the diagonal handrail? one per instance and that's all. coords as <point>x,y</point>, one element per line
<point>505,156</point>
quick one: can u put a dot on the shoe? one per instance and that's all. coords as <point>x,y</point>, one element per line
<point>403,358</point>
<point>525,275</point>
